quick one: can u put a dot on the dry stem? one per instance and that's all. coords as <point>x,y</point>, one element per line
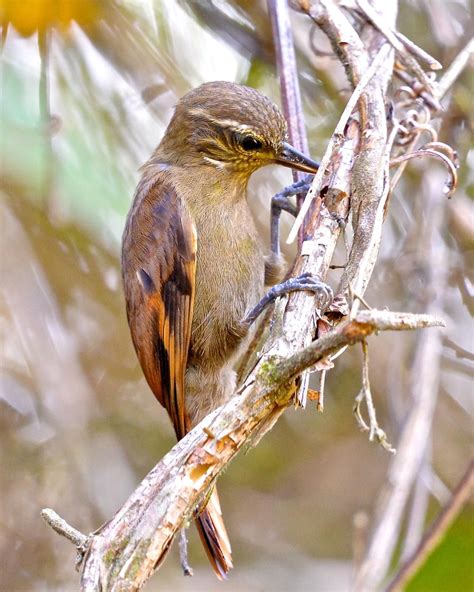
<point>435,533</point>
<point>123,553</point>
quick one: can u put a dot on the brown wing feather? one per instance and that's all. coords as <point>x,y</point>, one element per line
<point>159,268</point>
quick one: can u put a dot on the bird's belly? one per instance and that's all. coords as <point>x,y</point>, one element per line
<point>225,291</point>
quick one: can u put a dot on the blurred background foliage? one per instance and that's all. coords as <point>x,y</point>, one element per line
<point>87,87</point>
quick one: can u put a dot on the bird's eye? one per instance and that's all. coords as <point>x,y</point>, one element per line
<point>250,143</point>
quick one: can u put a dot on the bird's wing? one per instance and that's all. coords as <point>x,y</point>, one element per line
<point>159,268</point>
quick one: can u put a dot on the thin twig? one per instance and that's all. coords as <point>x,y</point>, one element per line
<point>436,532</point>
<point>322,385</point>
<point>377,21</point>
<point>458,350</point>
<point>418,52</point>
<point>451,183</point>
<point>60,526</point>
<point>365,394</point>
<point>288,73</point>
<point>455,69</point>
<point>289,84</point>
<point>354,301</point>
<point>401,169</point>
<point>183,553</point>
<point>418,89</point>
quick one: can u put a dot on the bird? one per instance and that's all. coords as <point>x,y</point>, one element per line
<point>193,265</point>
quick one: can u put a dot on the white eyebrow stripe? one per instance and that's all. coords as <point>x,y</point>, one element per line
<point>217,163</point>
<point>229,123</point>
<point>240,127</point>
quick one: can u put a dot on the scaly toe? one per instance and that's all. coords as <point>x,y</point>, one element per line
<point>306,281</point>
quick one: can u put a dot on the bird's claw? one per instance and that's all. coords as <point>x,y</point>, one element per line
<point>306,281</point>
<point>301,186</point>
<point>280,202</point>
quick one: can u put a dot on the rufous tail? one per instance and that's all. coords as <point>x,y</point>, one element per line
<point>212,531</point>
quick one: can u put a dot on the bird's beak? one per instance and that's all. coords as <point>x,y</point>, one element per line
<point>290,157</point>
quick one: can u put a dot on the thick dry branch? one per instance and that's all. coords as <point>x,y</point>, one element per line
<point>335,139</point>
<point>369,174</point>
<point>124,553</point>
<point>370,180</point>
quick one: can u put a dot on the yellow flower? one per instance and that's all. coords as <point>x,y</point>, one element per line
<point>28,16</point>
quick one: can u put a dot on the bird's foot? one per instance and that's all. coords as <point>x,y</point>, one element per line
<point>301,186</point>
<point>303,282</point>
<point>280,203</point>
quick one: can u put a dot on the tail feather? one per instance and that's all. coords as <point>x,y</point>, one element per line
<point>215,540</point>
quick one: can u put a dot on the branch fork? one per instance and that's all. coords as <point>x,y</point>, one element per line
<point>123,553</point>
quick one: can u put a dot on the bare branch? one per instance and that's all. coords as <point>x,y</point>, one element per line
<point>124,552</point>
<point>458,350</point>
<point>366,395</point>
<point>286,64</point>
<point>412,441</point>
<point>405,56</point>
<point>418,89</point>
<point>417,52</point>
<point>436,532</point>
<point>60,525</point>
<point>349,332</point>
<point>451,183</point>
<point>455,69</point>
<point>338,133</point>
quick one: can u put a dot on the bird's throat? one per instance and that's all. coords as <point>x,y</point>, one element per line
<point>209,187</point>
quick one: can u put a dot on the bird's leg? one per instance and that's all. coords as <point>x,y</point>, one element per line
<point>304,281</point>
<point>273,264</point>
<point>280,202</point>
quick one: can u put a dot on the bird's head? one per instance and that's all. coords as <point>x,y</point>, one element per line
<point>230,127</point>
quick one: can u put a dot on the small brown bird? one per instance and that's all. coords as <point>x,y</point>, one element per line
<point>193,266</point>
